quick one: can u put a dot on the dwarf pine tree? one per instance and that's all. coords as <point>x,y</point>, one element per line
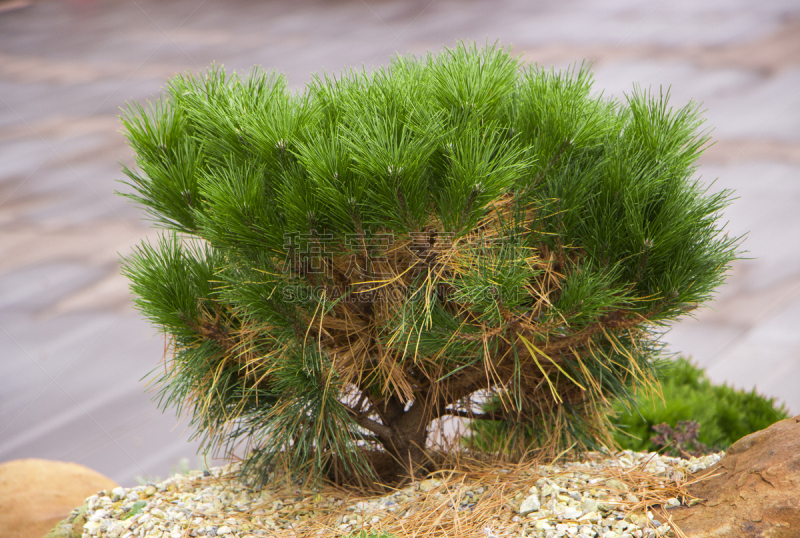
<point>345,265</point>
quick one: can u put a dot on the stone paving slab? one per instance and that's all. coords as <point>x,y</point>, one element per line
<point>72,350</point>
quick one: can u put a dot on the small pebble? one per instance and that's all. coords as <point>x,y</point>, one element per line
<point>530,504</point>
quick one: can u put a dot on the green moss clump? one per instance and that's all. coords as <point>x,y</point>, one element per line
<point>725,414</point>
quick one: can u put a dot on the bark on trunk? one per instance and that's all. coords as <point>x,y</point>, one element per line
<point>407,442</point>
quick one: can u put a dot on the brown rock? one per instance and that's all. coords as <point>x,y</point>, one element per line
<point>756,493</point>
<point>36,494</point>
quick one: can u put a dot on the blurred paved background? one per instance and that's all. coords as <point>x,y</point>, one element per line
<point>72,350</point>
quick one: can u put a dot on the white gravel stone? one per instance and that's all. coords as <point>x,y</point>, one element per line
<point>530,504</point>
<point>589,505</point>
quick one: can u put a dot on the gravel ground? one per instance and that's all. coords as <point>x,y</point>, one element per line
<point>604,496</point>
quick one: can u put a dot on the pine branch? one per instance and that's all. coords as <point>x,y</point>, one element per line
<point>383,432</point>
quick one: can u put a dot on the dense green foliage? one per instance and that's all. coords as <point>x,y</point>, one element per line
<point>346,265</point>
<point>725,414</point>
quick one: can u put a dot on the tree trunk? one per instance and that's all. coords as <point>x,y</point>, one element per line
<point>407,443</point>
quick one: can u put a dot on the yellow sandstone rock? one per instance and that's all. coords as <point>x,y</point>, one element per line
<point>36,494</point>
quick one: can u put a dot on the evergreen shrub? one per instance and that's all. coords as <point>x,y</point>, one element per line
<point>724,414</point>
<point>343,266</point>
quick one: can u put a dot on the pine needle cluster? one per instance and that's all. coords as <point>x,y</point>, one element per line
<point>343,266</point>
